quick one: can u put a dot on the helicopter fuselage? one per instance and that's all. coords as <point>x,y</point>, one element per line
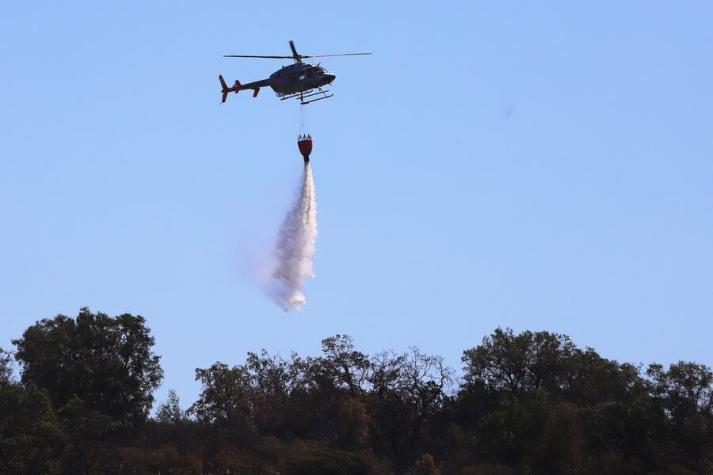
<point>299,77</point>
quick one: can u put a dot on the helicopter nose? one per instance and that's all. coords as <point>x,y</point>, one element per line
<point>330,78</point>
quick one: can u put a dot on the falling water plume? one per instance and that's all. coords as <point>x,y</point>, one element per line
<point>295,247</point>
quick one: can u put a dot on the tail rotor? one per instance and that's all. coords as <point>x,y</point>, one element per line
<point>225,90</point>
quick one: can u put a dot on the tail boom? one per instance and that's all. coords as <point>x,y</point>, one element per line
<point>237,86</point>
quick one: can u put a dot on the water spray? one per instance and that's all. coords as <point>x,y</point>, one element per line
<point>296,240</point>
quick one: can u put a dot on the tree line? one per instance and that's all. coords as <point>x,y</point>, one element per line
<point>81,397</point>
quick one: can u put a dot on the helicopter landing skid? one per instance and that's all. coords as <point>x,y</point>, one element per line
<point>324,96</point>
<point>307,94</point>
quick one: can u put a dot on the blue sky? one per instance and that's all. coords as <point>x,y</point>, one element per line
<point>539,166</point>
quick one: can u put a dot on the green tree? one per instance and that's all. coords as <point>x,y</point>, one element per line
<point>5,367</point>
<point>591,380</point>
<point>316,459</point>
<point>31,438</point>
<point>425,465</point>
<point>407,394</point>
<point>271,381</point>
<point>510,433</point>
<point>86,430</point>
<point>684,393</point>
<point>686,388</point>
<point>226,396</point>
<point>561,446</point>
<point>348,368</point>
<point>326,392</point>
<point>106,362</point>
<point>353,424</point>
<point>518,363</point>
<point>170,411</point>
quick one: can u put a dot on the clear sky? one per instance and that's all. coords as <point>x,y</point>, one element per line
<point>539,165</point>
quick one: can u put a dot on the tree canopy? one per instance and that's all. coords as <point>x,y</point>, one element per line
<point>525,403</point>
<point>105,362</point>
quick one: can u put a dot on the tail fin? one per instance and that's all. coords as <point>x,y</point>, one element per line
<point>225,89</point>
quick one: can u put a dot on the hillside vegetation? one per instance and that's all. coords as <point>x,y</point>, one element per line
<point>527,403</point>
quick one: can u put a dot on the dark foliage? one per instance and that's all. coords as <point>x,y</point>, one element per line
<point>5,367</point>
<point>106,363</point>
<point>527,403</point>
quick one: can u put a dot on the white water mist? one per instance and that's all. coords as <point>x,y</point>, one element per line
<point>295,247</point>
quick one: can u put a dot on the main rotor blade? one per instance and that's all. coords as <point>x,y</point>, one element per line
<point>255,56</point>
<point>330,55</point>
<point>295,54</point>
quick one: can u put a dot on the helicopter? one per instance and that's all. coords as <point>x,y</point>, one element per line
<point>303,81</point>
